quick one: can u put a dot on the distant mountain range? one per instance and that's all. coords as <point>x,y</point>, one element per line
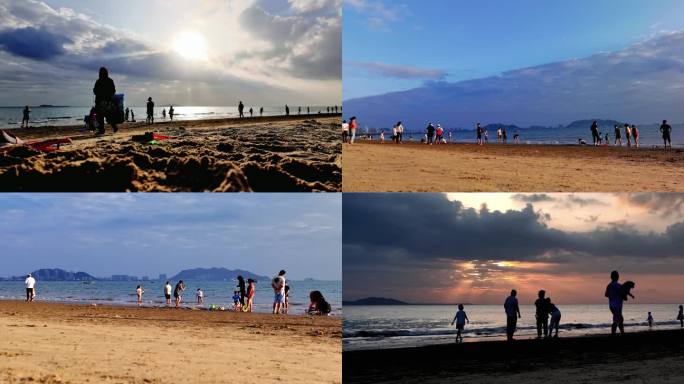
<point>56,274</point>
<point>197,274</point>
<point>216,274</point>
<point>375,301</point>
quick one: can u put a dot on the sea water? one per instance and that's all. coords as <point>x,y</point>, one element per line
<point>219,293</point>
<point>379,327</point>
<point>10,117</point>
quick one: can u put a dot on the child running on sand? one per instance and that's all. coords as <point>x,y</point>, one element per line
<point>650,320</point>
<point>200,296</point>
<point>460,318</point>
<point>139,291</point>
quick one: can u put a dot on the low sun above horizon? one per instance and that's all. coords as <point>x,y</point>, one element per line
<point>191,45</point>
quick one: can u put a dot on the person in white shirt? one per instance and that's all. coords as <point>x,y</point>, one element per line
<point>345,131</point>
<point>30,288</point>
<point>512,309</point>
<point>400,132</point>
<point>278,284</point>
<point>200,296</point>
<point>139,292</point>
<point>167,293</point>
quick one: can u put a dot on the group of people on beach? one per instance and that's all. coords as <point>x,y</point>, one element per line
<point>631,135</point>
<point>548,315</point>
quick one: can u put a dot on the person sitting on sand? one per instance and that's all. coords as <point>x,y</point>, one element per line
<point>318,306</point>
<point>180,287</point>
<point>618,135</point>
<point>680,316</point>
<point>286,305</point>
<point>666,130</point>
<point>649,319</point>
<point>139,292</point>
<point>167,293</point>
<point>628,135</point>
<point>542,315</point>
<point>555,317</point>
<point>615,295</point>
<point>352,129</point>
<point>30,283</point>
<point>278,285</point>
<point>236,301</point>
<point>105,103</point>
<point>250,296</point>
<point>26,113</point>
<point>460,318</point>
<point>241,109</point>
<point>150,111</point>
<point>200,296</point>
<point>171,112</point>
<point>512,309</point>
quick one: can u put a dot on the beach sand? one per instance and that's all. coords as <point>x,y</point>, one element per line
<point>414,167</point>
<point>63,343</point>
<point>296,153</point>
<point>646,357</point>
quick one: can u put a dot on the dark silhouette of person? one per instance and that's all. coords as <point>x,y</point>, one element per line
<point>261,111</point>
<point>287,110</point>
<point>308,112</point>
<point>26,115</point>
<point>127,113</point>
<point>542,315</point>
<point>555,316</point>
<point>251,112</point>
<point>299,110</point>
<point>132,116</point>
<point>105,103</point>
<point>241,108</point>
<point>615,295</point>
<point>680,316</point>
<point>430,133</point>
<point>336,109</point>
<point>150,111</point>
<point>241,287</point>
<point>171,112</point>
<point>512,314</point>
<point>595,133</point>
<point>327,109</point>
<point>666,130</point>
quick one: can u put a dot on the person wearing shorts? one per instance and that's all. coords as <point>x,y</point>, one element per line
<point>278,285</point>
<point>167,293</point>
<point>180,287</point>
<point>30,288</point>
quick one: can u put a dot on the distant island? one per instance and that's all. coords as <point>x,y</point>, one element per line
<point>375,301</point>
<point>217,274</point>
<point>197,274</point>
<point>55,274</point>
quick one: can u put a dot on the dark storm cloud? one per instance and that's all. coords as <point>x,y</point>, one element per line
<point>582,201</point>
<point>664,204</point>
<point>422,228</point>
<point>33,43</point>
<point>532,198</point>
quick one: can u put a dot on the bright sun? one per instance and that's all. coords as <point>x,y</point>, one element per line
<point>191,46</point>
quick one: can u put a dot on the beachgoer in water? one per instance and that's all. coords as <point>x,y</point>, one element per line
<point>180,287</point>
<point>278,285</point>
<point>236,301</point>
<point>478,130</point>
<point>167,293</point>
<point>318,306</point>
<point>400,131</point>
<point>555,317</point>
<point>618,135</point>
<point>171,112</point>
<point>430,131</point>
<point>241,287</point>
<point>200,296</point>
<point>251,287</point>
<point>542,315</point>
<point>680,316</point>
<point>352,128</point>
<point>241,109</point>
<point>512,314</point>
<point>26,113</point>
<point>614,293</point>
<point>286,305</point>
<point>139,292</point>
<point>649,319</point>
<point>30,283</point>
<point>287,110</point>
<point>595,133</point>
<point>164,113</point>
<point>628,135</point>
<point>251,112</point>
<point>635,135</point>
<point>666,130</point>
<point>150,111</point>
<point>261,111</point>
<point>105,103</point>
<point>460,318</point>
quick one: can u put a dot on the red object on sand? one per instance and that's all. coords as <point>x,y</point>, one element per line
<point>160,137</point>
<point>49,145</point>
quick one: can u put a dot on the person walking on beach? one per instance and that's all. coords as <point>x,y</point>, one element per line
<point>180,287</point>
<point>287,110</point>
<point>666,130</point>
<point>618,135</point>
<point>171,112</point>
<point>430,131</point>
<point>615,296</point>
<point>680,316</point>
<point>595,133</point>
<point>649,319</point>
<point>30,283</point>
<point>127,113</point>
<point>308,111</point>
<point>628,135</point>
<point>105,103</point>
<point>132,116</point>
<point>352,129</point>
<point>635,135</point>
<point>241,287</point>
<point>478,131</point>
<point>200,296</point>
<point>504,135</point>
<point>167,293</point>
<point>460,318</point>
<point>164,113</point>
<point>150,111</point>
<point>555,316</point>
<point>499,135</point>
<point>241,109</point>
<point>542,315</point>
<point>251,112</point>
<point>26,113</point>
<point>512,314</point>
<point>299,110</point>
<point>261,112</point>
<point>278,285</point>
<point>345,131</point>
<point>139,292</point>
<point>250,295</point>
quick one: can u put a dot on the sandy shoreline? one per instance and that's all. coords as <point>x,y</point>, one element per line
<point>64,343</point>
<point>413,167</point>
<point>637,357</point>
<point>295,153</point>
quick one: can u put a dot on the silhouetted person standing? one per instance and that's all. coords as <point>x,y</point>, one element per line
<point>105,104</point>
<point>595,133</point>
<point>25,118</point>
<point>287,110</point>
<point>241,108</point>
<point>299,110</point>
<point>251,112</point>
<point>542,314</point>
<point>128,112</point>
<point>261,111</point>
<point>243,291</point>
<point>164,113</point>
<point>615,297</point>
<point>512,314</point>
<point>666,130</point>
<point>308,111</point>
<point>171,112</point>
<point>680,316</point>
<point>150,111</point>
<point>430,133</point>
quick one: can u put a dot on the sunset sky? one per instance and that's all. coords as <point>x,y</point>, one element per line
<point>437,248</point>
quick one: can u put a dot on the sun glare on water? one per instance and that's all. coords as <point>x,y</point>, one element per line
<point>191,46</point>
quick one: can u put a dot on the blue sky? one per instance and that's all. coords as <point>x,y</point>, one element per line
<point>398,45</point>
<point>148,234</point>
